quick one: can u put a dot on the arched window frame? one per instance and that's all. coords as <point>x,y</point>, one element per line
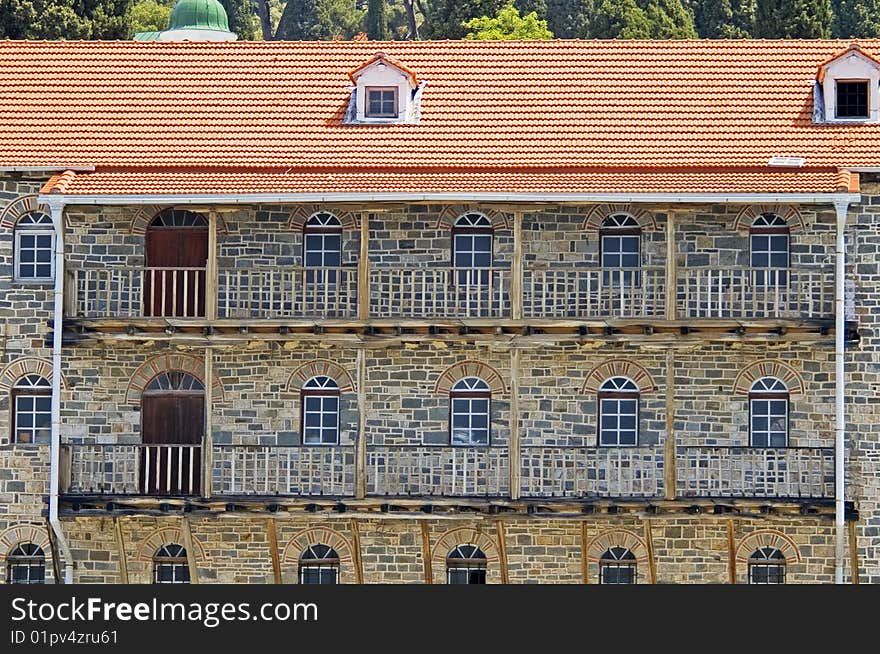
<point>31,405</point>
<point>769,399</point>
<point>767,234</point>
<point>177,219</point>
<point>767,566</point>
<point>620,250</point>
<point>34,248</point>
<point>466,564</point>
<point>618,566</point>
<point>174,381</point>
<point>26,564</point>
<point>320,396</point>
<point>470,398</point>
<point>473,249</point>
<point>618,400</point>
<point>319,564</point>
<point>170,565</point>
<point>322,245</point>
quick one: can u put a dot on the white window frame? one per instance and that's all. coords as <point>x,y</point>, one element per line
<point>768,389</point>
<point>318,390</point>
<point>30,387</point>
<point>314,563</point>
<point>35,229</point>
<point>176,560</point>
<point>34,559</point>
<point>629,392</point>
<point>470,390</point>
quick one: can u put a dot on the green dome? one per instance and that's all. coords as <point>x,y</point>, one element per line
<point>199,15</point>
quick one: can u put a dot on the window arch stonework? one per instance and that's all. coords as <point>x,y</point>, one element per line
<point>22,205</point>
<point>10,538</point>
<point>450,214</point>
<point>748,215</point>
<point>148,547</point>
<point>320,368</point>
<point>455,373</point>
<point>617,538</point>
<point>597,215</point>
<point>449,540</point>
<point>163,363</point>
<point>145,215</point>
<point>301,541</point>
<point>19,368</point>
<point>301,214</point>
<point>746,378</point>
<point>619,368</point>
<point>766,538</point>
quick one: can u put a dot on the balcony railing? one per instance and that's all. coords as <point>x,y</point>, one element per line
<point>283,470</point>
<point>560,292</point>
<point>440,292</point>
<point>770,293</point>
<point>592,471</point>
<point>436,470</point>
<point>759,472</point>
<point>553,292</point>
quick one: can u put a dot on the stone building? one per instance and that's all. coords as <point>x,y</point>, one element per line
<point>435,312</point>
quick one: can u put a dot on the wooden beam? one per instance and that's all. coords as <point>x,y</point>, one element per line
<point>670,477</point>
<point>208,436</point>
<point>514,458</point>
<point>273,550</point>
<point>585,555</point>
<point>649,541</point>
<point>426,553</point>
<point>190,551</point>
<point>502,552</point>
<point>731,553</point>
<point>120,549</point>
<point>853,551</point>
<point>360,465</point>
<point>363,300</point>
<point>56,556</point>
<point>211,275</point>
<point>356,552</point>
<point>671,267</point>
<point>516,280</point>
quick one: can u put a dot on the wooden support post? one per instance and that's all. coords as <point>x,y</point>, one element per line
<point>190,551</point>
<point>360,464</point>
<point>853,551</point>
<point>363,301</point>
<point>120,549</point>
<point>502,552</point>
<point>356,553</point>
<point>670,476</point>
<point>426,553</point>
<point>56,556</point>
<point>273,550</point>
<point>731,553</point>
<point>516,280</point>
<point>671,268</point>
<point>585,555</point>
<point>649,540</point>
<point>211,274</point>
<point>208,436</point>
<point>513,457</point>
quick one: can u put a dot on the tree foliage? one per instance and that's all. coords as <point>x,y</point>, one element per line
<point>306,20</point>
<point>856,18</point>
<point>506,25</point>
<point>793,19</point>
<point>149,16</point>
<point>64,19</point>
<point>377,20</point>
<point>724,19</point>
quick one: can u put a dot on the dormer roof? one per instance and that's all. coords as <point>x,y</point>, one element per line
<point>854,49</point>
<point>381,58</point>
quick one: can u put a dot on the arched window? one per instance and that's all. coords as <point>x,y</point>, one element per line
<point>322,247</point>
<point>618,412</point>
<point>34,248</point>
<point>466,564</point>
<point>320,411</point>
<point>620,239</point>
<point>768,405</point>
<point>472,248</point>
<point>617,566</point>
<point>767,566</point>
<point>319,564</point>
<point>32,410</point>
<point>170,565</point>
<point>174,380</point>
<point>26,564</point>
<point>469,412</point>
<point>769,244</point>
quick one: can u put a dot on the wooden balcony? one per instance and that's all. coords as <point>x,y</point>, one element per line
<point>756,472</point>
<point>549,293</point>
<point>592,472</point>
<point>546,473</point>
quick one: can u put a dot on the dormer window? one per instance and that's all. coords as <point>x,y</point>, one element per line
<point>852,99</point>
<point>847,88</point>
<point>384,92</point>
<point>381,102</point>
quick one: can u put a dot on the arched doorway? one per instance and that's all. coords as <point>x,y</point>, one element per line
<point>176,261</point>
<point>172,427</point>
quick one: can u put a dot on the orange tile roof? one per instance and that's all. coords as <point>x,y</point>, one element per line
<point>163,183</point>
<point>637,106</point>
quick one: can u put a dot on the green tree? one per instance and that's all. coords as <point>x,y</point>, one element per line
<point>377,20</point>
<point>16,18</point>
<point>242,15</point>
<point>507,25</point>
<point>299,22</point>
<point>340,19</point>
<point>568,19</point>
<point>856,19</point>
<point>669,19</point>
<point>59,21</point>
<point>793,19</point>
<point>149,16</point>
<point>724,19</point>
<point>623,19</point>
<point>444,19</point>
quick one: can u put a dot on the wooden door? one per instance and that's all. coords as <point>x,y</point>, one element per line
<point>174,282</point>
<point>169,422</point>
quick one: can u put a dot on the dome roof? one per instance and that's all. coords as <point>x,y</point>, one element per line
<point>200,15</point>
